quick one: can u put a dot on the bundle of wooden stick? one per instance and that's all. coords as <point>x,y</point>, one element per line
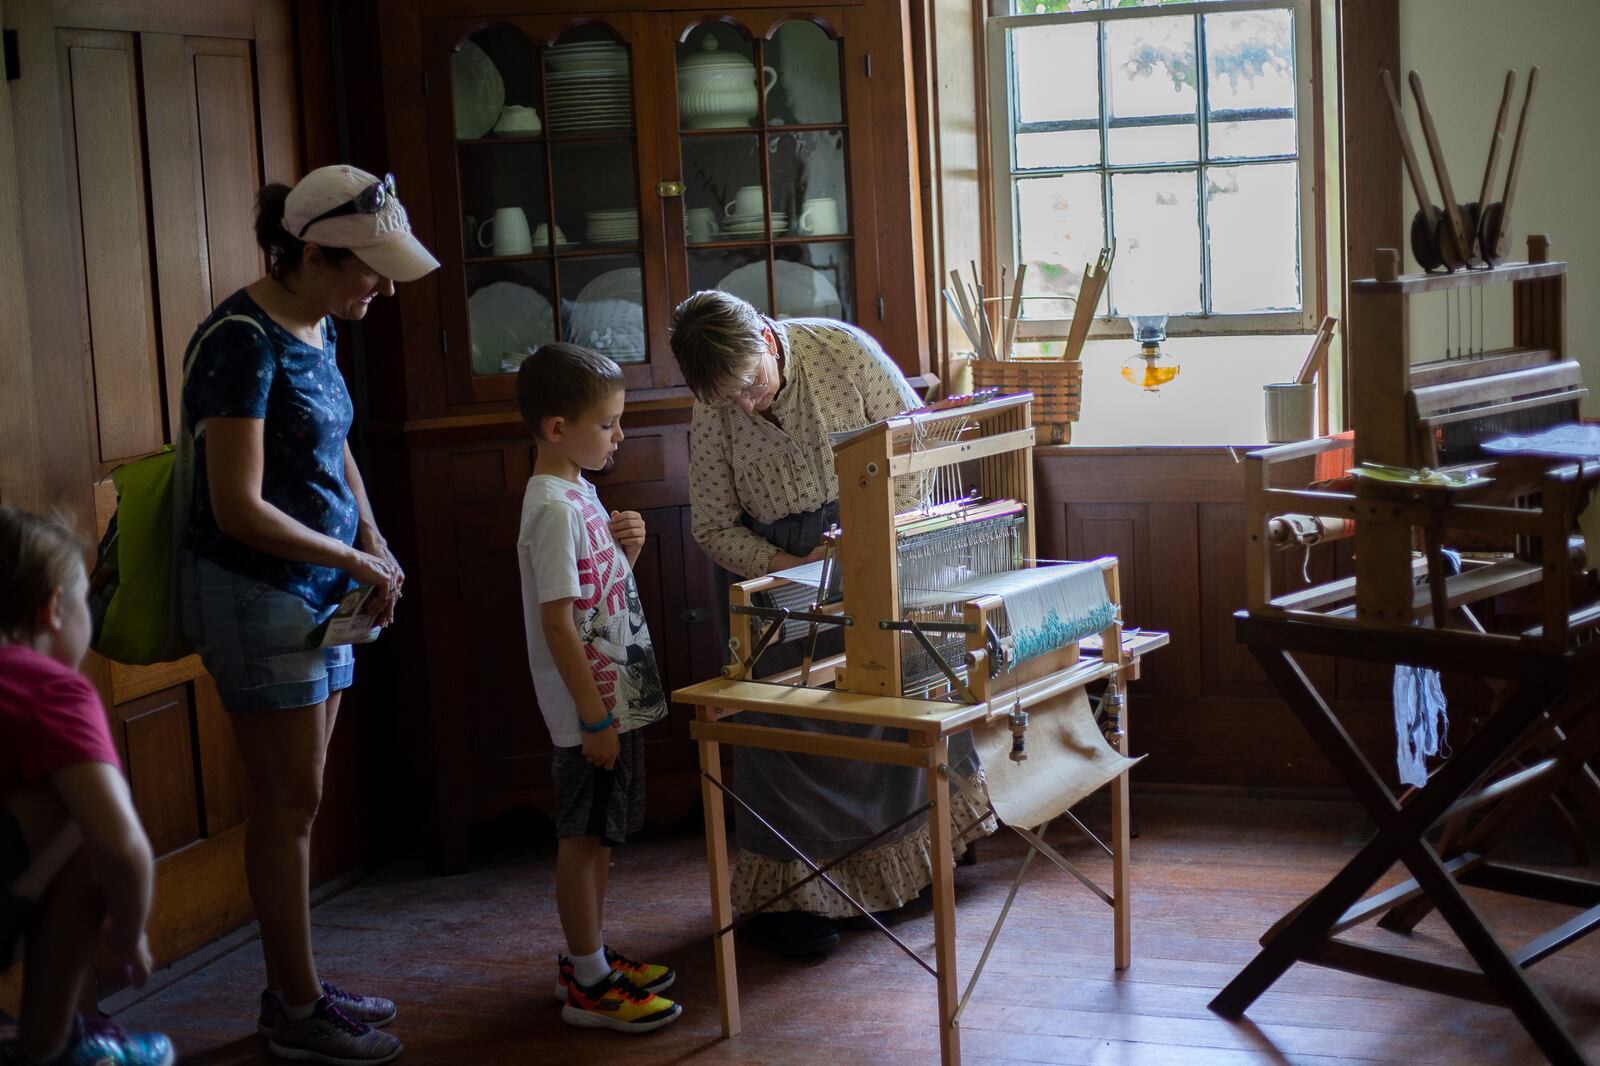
<point>990,341</point>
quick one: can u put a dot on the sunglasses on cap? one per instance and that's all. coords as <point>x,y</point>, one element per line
<point>368,201</point>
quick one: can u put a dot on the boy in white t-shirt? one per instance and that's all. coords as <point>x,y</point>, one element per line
<point>593,670</point>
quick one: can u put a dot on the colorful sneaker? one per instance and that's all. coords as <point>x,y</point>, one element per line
<point>616,1004</point>
<point>99,1043</point>
<point>372,1010</point>
<point>332,1036</point>
<point>646,976</point>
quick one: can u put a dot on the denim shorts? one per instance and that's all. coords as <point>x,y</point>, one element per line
<point>251,638</point>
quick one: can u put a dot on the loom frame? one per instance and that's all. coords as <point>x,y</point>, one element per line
<point>1542,730</point>
<point>867,678</point>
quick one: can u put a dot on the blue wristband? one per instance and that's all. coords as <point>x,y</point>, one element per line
<point>605,723</point>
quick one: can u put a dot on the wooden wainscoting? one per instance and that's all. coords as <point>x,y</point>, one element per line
<point>1175,517</point>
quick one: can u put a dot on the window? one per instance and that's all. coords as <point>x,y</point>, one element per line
<point>1180,130</point>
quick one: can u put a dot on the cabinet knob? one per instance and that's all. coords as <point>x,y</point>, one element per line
<point>694,616</point>
<point>665,189</point>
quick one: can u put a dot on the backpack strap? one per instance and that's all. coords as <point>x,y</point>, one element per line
<point>183,445</point>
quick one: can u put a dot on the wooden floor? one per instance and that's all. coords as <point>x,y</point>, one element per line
<point>471,960</point>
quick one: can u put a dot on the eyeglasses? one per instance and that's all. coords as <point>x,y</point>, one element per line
<point>751,389</point>
<point>368,201</point>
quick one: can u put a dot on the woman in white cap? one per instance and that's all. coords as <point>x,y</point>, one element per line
<point>280,530</point>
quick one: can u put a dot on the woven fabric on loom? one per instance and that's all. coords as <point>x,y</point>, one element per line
<point>1047,607</point>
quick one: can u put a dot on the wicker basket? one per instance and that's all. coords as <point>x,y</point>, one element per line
<point>1057,388</point>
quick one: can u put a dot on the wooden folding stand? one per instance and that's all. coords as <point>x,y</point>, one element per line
<point>868,679</point>
<point>1551,671</point>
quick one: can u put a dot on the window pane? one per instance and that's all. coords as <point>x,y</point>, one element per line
<point>1060,229</point>
<point>814,281</point>
<point>1051,7</point>
<point>808,171</point>
<point>1153,94</point>
<point>1057,71</point>
<point>1250,83</point>
<point>1241,140</point>
<point>1157,226</point>
<point>1254,217</point>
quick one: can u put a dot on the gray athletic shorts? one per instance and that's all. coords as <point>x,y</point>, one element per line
<point>591,802</point>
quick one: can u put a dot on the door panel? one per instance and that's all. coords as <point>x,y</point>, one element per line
<point>228,164</point>
<point>105,139</point>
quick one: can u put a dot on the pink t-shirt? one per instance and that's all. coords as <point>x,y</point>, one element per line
<point>51,717</point>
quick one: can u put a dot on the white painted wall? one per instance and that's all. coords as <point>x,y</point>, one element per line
<point>1462,49</point>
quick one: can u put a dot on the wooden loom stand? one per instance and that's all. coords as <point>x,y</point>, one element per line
<point>1553,687</point>
<point>868,678</point>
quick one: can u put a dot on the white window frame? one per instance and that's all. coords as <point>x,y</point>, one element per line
<point>1005,174</point>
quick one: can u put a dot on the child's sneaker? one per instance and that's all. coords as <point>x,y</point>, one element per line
<point>616,1004</point>
<point>332,1036</point>
<point>372,1010</point>
<point>99,1043</point>
<point>646,976</point>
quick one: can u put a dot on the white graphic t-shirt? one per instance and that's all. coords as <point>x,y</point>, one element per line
<point>565,551</point>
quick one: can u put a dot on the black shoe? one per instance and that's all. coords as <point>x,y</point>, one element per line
<point>792,934</point>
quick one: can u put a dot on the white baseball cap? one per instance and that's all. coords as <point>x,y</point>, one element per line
<point>342,207</point>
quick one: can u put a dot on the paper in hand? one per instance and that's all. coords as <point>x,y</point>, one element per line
<point>354,621</point>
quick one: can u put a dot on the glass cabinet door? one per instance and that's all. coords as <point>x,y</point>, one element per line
<point>763,150</point>
<point>540,179</point>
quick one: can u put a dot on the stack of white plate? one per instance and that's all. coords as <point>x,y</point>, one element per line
<point>754,225</point>
<point>588,87</point>
<point>612,226</point>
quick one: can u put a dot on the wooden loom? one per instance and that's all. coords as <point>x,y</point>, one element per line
<point>1541,733</point>
<point>997,436</point>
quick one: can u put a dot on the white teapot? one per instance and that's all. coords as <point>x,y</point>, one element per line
<point>718,89</point>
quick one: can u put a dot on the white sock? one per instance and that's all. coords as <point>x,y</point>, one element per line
<point>591,969</point>
<point>300,1013</point>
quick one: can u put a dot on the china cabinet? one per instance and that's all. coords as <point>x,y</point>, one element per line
<point>577,173</point>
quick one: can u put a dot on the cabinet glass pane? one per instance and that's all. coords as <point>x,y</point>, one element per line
<point>510,312</point>
<point>596,191</point>
<point>806,62</point>
<point>741,271</point>
<point>588,84</point>
<point>717,82</point>
<point>496,68</point>
<point>1154,93</point>
<point>602,305</point>
<point>809,183</point>
<point>722,176</point>
<point>814,281</point>
<point>503,198</point>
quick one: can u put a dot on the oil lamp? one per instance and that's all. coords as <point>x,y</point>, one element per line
<point>1146,368</point>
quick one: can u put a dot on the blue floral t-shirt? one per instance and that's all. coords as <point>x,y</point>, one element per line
<point>268,373</point>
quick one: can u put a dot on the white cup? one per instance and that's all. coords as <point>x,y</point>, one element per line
<point>701,222</point>
<point>518,119</point>
<point>510,228</point>
<point>747,201</point>
<point>541,235</point>
<point>819,215</point>
<point>1291,411</point>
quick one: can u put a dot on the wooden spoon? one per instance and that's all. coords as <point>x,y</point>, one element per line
<point>1425,226</point>
<point>1453,245</point>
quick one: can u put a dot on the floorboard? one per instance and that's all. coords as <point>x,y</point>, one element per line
<point>470,959</point>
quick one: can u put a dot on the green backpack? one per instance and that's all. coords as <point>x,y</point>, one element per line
<point>135,600</point>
